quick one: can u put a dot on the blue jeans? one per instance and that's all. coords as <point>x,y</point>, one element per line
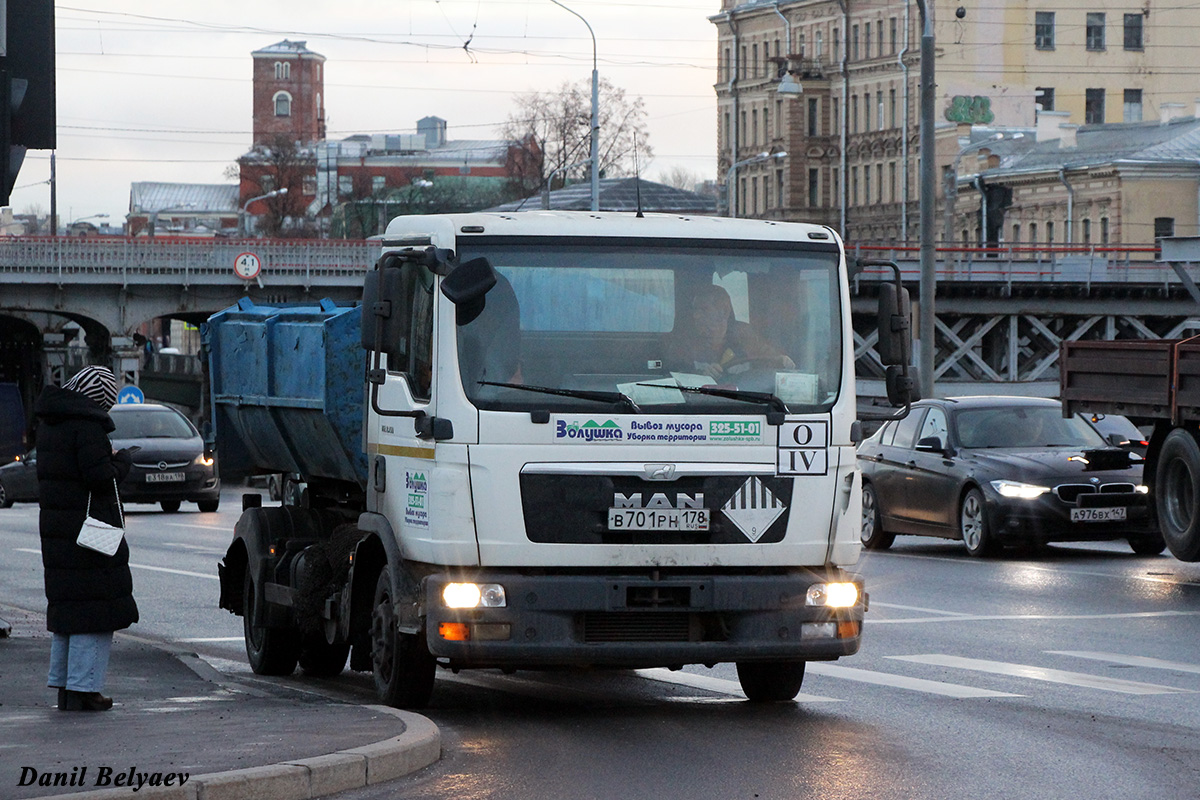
<point>79,661</point>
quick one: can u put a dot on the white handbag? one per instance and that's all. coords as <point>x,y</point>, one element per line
<point>100,536</point>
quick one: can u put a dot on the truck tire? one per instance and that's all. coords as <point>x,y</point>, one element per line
<point>771,681</point>
<point>873,536</point>
<point>1149,545</point>
<point>271,651</point>
<point>402,665</point>
<point>1177,493</point>
<point>320,659</point>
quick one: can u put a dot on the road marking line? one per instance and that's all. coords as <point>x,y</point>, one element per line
<point>139,566</point>
<point>1132,661</point>
<point>975,562</point>
<point>1054,617</point>
<point>875,603</point>
<point>719,685</point>
<point>942,688</point>
<point>203,639</point>
<point>1079,679</point>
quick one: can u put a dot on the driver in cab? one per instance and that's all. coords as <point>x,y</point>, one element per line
<point>708,339</point>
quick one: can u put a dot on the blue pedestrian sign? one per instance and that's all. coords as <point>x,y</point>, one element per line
<point>130,394</point>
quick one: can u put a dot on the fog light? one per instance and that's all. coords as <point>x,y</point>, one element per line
<point>832,595</point>
<point>1142,489</point>
<point>474,595</point>
<point>818,630</point>
<point>454,631</point>
<point>848,630</point>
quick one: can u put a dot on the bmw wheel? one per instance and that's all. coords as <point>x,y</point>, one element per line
<point>873,536</point>
<point>973,525</point>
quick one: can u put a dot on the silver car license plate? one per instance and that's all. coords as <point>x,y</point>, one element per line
<point>165,477</point>
<point>1098,514</point>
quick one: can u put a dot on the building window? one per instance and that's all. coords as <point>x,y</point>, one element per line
<point>854,113</point>
<point>879,180</point>
<point>754,127</point>
<point>814,188</point>
<point>1087,231</point>
<point>854,43</point>
<point>1093,107</point>
<point>1043,30</point>
<point>1104,230</point>
<point>813,115</point>
<point>1049,233</point>
<point>728,141</point>
<point>867,40</point>
<point>892,179</point>
<point>1095,30</point>
<point>867,184</point>
<point>345,185</point>
<point>283,71</point>
<point>836,116</point>
<point>1163,226</point>
<point>754,61</point>
<point>754,195</point>
<point>835,186</point>
<point>1133,105</point>
<point>854,186</point>
<point>1133,32</point>
<point>1033,232</point>
<point>821,46</point>
<point>892,34</point>
<point>725,65</point>
<point>892,104</point>
<point>742,131</point>
<point>743,203</point>
<point>378,184</point>
<point>800,44</point>
<point>742,64</point>
<point>779,187</point>
<point>1016,234</point>
<point>283,104</point>
<point>866,111</point>
<point>1045,97</point>
<point>778,118</point>
<point>879,111</point>
<point>766,124</point>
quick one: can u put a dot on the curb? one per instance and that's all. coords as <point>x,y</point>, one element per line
<point>303,779</point>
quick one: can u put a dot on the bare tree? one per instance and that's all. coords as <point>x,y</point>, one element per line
<point>680,178</point>
<point>281,164</point>
<point>559,123</point>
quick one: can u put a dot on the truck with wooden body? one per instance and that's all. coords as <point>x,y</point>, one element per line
<point>1153,383</point>
<point>521,451</point>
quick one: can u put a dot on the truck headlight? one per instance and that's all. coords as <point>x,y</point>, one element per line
<point>473,595</point>
<point>1024,491</point>
<point>832,595</point>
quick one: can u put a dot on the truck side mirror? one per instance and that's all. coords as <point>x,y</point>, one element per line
<point>466,287</point>
<point>383,326</point>
<point>901,385</point>
<point>895,325</point>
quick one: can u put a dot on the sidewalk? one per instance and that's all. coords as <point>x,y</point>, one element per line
<point>174,716</point>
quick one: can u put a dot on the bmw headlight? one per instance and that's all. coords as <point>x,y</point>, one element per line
<point>1022,491</point>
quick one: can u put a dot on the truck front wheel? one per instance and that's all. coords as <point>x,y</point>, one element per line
<point>772,681</point>
<point>271,651</point>
<point>1177,491</point>
<point>401,663</point>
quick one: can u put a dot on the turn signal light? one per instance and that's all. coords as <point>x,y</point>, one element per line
<point>454,631</point>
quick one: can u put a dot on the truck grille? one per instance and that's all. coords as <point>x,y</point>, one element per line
<point>653,626</point>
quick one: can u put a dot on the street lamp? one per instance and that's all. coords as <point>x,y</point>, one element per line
<point>154,215</point>
<point>928,285</point>
<point>246,206</point>
<point>595,149</point>
<point>730,192</point>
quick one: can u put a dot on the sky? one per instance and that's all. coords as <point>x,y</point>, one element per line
<point>161,91</point>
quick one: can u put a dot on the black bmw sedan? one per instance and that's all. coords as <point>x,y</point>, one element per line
<point>993,471</point>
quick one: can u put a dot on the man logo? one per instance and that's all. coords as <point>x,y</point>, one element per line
<point>659,472</point>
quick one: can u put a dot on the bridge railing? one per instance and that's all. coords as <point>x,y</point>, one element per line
<point>1028,263</point>
<point>178,260</point>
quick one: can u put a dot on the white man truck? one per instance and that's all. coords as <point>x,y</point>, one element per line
<point>527,448</point>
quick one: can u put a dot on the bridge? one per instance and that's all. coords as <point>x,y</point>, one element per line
<point>1001,313</point>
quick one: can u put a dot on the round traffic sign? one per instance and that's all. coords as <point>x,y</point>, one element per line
<point>247,266</point>
<point>130,394</point>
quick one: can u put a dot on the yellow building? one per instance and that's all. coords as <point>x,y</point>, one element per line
<point>850,135</point>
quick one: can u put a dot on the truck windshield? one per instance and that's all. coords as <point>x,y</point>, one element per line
<point>645,319</point>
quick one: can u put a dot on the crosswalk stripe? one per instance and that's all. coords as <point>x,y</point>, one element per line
<point>1130,661</point>
<point>1080,679</point>
<point>902,682</point>
<point>719,685</point>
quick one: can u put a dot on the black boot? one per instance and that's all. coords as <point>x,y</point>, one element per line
<point>62,697</point>
<point>86,701</point>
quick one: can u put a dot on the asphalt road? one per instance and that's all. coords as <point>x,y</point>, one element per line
<point>1072,672</point>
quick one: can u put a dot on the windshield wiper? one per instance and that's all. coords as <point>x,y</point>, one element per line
<point>616,398</point>
<point>769,399</point>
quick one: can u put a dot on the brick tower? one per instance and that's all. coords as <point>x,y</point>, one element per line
<point>289,93</point>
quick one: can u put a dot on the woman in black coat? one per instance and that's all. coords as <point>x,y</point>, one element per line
<point>89,595</point>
